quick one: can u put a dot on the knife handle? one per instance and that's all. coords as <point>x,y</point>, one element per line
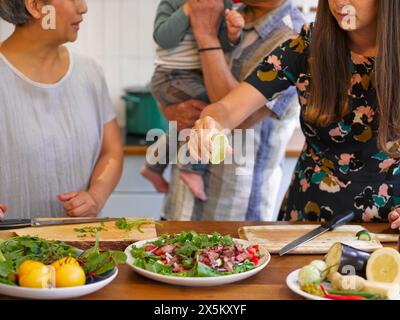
<point>14,223</point>
<point>339,220</point>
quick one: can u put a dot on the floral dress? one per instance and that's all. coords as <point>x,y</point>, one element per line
<point>341,168</point>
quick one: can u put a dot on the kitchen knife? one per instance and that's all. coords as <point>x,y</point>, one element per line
<point>24,223</point>
<point>327,226</point>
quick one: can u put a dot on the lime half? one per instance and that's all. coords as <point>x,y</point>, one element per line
<point>220,145</point>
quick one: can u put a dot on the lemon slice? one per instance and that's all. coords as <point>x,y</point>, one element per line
<point>384,266</point>
<point>220,144</point>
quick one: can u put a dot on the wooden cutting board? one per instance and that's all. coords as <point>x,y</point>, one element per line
<point>67,233</point>
<point>276,237</point>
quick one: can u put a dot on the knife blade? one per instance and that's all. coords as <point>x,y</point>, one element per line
<point>335,222</point>
<point>24,223</point>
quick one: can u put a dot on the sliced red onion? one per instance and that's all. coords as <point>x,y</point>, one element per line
<point>152,251</point>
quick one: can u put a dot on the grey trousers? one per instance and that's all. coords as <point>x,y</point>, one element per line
<point>173,86</point>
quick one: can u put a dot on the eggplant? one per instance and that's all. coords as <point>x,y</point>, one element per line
<point>347,260</point>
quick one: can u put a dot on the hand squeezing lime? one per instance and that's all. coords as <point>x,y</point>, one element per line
<point>219,148</point>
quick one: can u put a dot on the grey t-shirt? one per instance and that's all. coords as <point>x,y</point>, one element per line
<point>50,136</point>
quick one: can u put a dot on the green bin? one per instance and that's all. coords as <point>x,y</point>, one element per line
<point>142,112</point>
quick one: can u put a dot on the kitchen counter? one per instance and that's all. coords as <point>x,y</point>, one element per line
<point>135,145</point>
<point>269,284</point>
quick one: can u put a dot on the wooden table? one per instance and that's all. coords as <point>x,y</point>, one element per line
<point>269,284</point>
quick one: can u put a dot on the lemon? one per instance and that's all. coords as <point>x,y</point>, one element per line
<point>220,144</point>
<point>28,265</point>
<point>70,275</point>
<point>38,277</point>
<point>384,266</point>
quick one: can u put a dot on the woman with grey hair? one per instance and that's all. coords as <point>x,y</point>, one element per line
<point>61,151</point>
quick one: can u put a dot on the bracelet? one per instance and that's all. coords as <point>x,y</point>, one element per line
<point>209,49</point>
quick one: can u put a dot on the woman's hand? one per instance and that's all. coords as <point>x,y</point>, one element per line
<point>205,16</point>
<point>394,219</point>
<point>80,204</point>
<point>3,209</point>
<point>200,145</point>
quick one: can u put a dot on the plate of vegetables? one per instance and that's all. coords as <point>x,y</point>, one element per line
<point>35,268</point>
<point>347,273</point>
<point>195,259</point>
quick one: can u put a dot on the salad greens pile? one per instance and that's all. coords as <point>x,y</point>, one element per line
<point>190,254</point>
<point>16,250</point>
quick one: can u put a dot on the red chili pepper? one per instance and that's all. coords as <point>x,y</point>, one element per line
<point>336,297</point>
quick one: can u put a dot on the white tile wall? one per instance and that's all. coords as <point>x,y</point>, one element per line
<point>118,34</point>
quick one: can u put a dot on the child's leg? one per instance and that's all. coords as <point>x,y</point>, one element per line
<point>191,84</point>
<point>193,177</point>
<point>156,163</point>
<point>176,86</point>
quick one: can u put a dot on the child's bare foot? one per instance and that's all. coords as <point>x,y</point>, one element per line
<point>195,184</point>
<point>158,181</point>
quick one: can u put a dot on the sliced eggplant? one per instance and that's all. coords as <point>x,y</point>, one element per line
<point>347,260</point>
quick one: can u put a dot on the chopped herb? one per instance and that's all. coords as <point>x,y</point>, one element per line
<point>128,225</point>
<point>90,230</point>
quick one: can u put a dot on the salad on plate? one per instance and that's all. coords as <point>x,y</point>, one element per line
<point>192,254</point>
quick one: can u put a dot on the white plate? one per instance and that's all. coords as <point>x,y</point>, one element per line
<point>293,285</point>
<point>57,293</point>
<point>195,281</point>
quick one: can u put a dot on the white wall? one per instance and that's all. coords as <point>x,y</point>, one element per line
<point>118,34</point>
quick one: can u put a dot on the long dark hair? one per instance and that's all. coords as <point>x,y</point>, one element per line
<point>331,75</point>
